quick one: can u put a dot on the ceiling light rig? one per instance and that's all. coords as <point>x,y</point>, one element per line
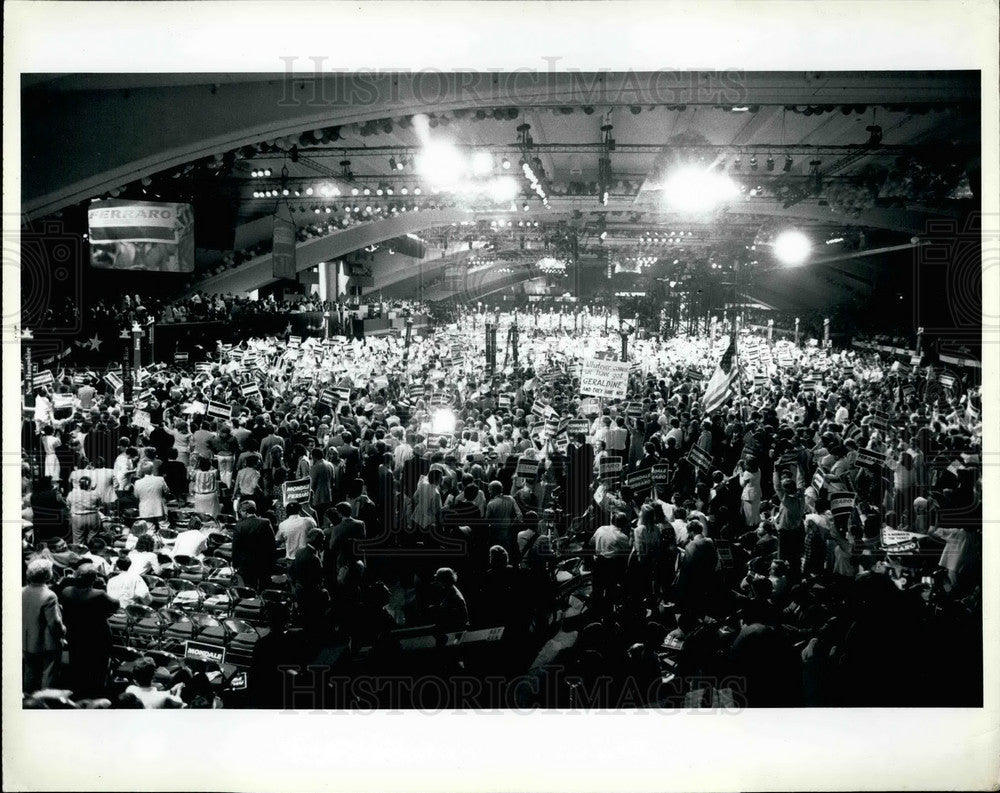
<point>604,163</point>
<point>531,167</point>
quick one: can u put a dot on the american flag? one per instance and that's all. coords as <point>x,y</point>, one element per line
<point>722,384</point>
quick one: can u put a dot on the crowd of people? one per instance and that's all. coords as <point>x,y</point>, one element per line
<point>811,539</point>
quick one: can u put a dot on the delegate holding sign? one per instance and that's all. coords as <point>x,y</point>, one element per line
<point>297,491</point>
<point>608,379</point>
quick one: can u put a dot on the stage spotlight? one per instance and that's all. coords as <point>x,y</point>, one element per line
<point>753,163</point>
<point>788,163</point>
<point>769,164</point>
<point>694,189</point>
<point>482,163</point>
<point>792,247</point>
<point>506,164</point>
<point>442,164</point>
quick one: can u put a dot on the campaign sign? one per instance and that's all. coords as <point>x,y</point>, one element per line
<point>527,469</point>
<point>219,410</point>
<point>841,503</point>
<point>640,481</point>
<point>607,379</point>
<point>868,458</point>
<point>205,652</point>
<point>700,458</point>
<point>296,491</point>
<point>610,467</point>
<point>660,473</point>
<point>578,427</point>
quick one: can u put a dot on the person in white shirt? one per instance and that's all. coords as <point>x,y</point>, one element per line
<point>152,492</point>
<point>96,547</point>
<point>843,414</point>
<point>124,465</point>
<point>294,529</point>
<point>102,481</point>
<point>143,559</point>
<point>144,690</point>
<point>192,542</point>
<point>402,453</point>
<point>129,588</point>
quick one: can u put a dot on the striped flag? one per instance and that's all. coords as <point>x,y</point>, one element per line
<point>722,384</point>
<point>250,390</point>
<point>946,379</point>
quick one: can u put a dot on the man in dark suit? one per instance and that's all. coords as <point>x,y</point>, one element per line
<point>580,473</point>
<point>305,570</point>
<point>254,549</point>
<point>350,455</point>
<point>85,615</point>
<point>343,542</point>
<point>48,511</point>
<point>269,440</point>
<point>312,600</point>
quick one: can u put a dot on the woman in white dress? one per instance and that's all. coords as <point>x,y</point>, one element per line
<point>51,442</point>
<point>750,480</point>
<point>205,488</point>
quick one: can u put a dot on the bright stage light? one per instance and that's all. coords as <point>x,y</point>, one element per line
<point>792,247</point>
<point>442,165</point>
<point>482,163</point>
<point>503,189</point>
<point>443,422</point>
<point>694,189</point>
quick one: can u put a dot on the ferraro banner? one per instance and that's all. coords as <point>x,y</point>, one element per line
<point>283,250</point>
<point>607,379</point>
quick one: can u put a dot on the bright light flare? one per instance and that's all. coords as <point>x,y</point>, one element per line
<point>482,163</point>
<point>442,165</point>
<point>792,247</point>
<point>443,422</point>
<point>694,189</point>
<point>504,189</point>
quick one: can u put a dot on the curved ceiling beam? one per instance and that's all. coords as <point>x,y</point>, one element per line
<point>913,221</point>
<point>80,143</point>
<point>258,272</point>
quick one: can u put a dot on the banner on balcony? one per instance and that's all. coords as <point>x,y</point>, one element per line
<point>283,250</point>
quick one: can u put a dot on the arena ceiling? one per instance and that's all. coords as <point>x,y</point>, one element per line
<point>861,162</point>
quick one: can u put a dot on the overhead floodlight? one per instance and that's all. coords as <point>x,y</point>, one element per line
<point>792,247</point>
<point>694,189</point>
<point>482,163</point>
<point>504,189</point>
<point>442,165</point>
